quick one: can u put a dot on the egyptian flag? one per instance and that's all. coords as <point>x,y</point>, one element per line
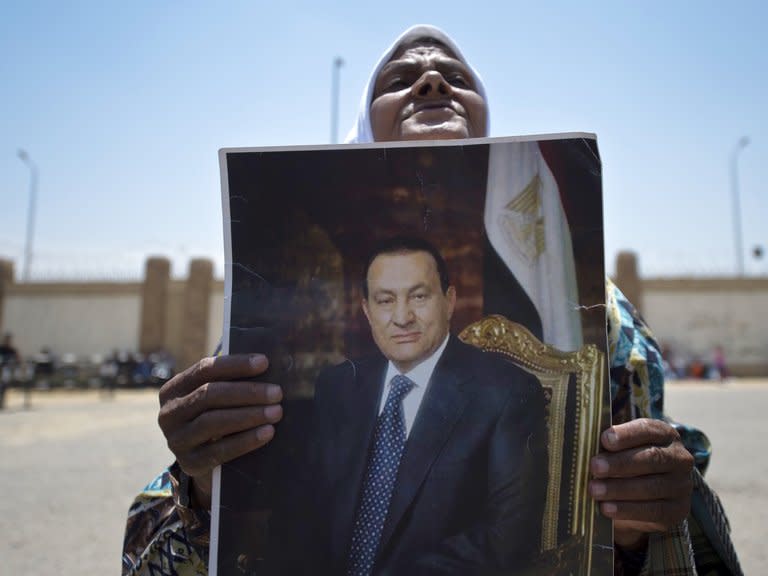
<point>530,272</point>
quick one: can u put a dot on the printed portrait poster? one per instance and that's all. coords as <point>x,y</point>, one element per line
<point>434,313</point>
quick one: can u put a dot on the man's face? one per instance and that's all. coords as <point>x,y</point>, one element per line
<point>426,93</point>
<point>406,307</point>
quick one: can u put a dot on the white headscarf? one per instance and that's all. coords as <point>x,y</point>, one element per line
<point>362,132</point>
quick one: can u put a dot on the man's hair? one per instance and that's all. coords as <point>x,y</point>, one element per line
<point>407,245</point>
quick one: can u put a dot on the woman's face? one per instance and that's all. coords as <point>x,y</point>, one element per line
<point>424,92</point>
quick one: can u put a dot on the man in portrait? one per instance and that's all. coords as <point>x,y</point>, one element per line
<point>427,457</point>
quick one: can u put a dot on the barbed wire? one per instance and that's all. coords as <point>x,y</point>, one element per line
<point>57,274</point>
<point>55,266</point>
<point>83,271</point>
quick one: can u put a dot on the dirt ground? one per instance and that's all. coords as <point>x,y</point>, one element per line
<point>72,463</point>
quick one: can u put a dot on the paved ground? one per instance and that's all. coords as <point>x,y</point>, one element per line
<point>69,469</point>
<point>734,417</point>
<point>71,465</point>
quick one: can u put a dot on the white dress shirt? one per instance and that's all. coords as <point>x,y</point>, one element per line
<point>420,376</point>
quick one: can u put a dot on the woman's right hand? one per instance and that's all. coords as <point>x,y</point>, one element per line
<point>211,414</point>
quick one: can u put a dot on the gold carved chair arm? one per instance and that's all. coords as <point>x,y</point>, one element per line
<point>573,388</point>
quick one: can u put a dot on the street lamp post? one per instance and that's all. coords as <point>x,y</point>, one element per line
<point>24,157</point>
<point>737,237</point>
<point>337,64</point>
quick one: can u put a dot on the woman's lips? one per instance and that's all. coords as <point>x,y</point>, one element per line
<point>432,105</point>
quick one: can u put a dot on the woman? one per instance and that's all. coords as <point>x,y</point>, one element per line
<point>423,88</point>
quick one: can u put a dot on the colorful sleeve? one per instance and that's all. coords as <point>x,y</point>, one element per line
<point>162,536</point>
<point>637,372</point>
<point>700,544</point>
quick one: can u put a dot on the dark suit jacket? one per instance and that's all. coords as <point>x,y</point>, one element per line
<point>470,488</point>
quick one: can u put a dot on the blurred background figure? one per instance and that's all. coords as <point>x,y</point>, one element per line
<point>696,368</point>
<point>718,370</point>
<point>108,373</point>
<point>44,368</point>
<point>163,367</point>
<point>9,362</point>
<point>126,366</point>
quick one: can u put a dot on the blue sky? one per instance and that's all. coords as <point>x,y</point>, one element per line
<point>123,106</point>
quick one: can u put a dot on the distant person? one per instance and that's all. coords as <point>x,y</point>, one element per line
<point>643,479</point>
<point>44,367</point>
<point>126,365</point>
<point>697,369</point>
<point>108,373</point>
<point>8,352</point>
<point>718,364</point>
<point>163,367</point>
<point>9,360</point>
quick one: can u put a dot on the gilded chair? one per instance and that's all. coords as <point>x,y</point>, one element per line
<point>573,390</point>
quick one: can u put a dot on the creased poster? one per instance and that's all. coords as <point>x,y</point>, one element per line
<point>435,315</point>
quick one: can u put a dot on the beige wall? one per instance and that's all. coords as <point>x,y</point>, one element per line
<point>174,312</point>
<point>180,316</point>
<point>693,315</point>
<point>96,318</point>
<point>82,319</point>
